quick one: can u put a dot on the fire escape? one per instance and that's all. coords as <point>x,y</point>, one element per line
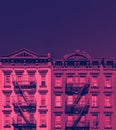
<point>76,109</point>
<point>25,106</point>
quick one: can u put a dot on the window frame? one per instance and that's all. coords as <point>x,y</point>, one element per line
<point>58,101</point>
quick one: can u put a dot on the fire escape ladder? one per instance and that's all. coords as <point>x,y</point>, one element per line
<point>23,94</point>
<point>81,113</point>
<point>85,88</point>
<point>21,113</point>
<point>19,107</point>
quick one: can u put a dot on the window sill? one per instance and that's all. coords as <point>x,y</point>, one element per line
<point>107,87</point>
<point>7,106</point>
<point>95,87</point>
<point>7,86</point>
<point>43,86</point>
<point>58,106</point>
<point>94,127</point>
<point>43,126</point>
<point>57,87</point>
<point>58,127</point>
<point>94,106</point>
<point>43,106</point>
<point>107,106</point>
<point>7,126</point>
<point>108,127</point>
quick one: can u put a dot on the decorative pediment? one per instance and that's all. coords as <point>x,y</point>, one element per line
<point>77,55</point>
<point>24,53</point>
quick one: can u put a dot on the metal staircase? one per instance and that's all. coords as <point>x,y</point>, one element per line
<point>78,110</point>
<point>81,112</point>
<point>83,91</point>
<point>22,109</point>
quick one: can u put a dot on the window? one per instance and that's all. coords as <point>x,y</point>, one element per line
<point>94,82</point>
<point>7,122</point>
<point>19,77</point>
<point>69,120</point>
<point>32,99</point>
<point>58,82</point>
<point>94,121</point>
<point>58,121</point>
<point>20,80</point>
<point>25,80</point>
<point>43,118</point>
<point>32,117</point>
<point>76,79</point>
<point>7,80</point>
<point>43,79</point>
<point>7,103</point>
<point>82,79</point>
<point>107,101</point>
<point>82,101</point>
<point>82,121</point>
<point>94,101</point>
<point>43,100</point>
<point>19,118</point>
<point>69,79</point>
<point>69,100</point>
<point>19,99</point>
<point>31,78</point>
<point>108,83</point>
<point>58,101</point>
<point>107,120</point>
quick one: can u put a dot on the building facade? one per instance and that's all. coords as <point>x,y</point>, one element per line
<point>25,96</point>
<point>77,92</point>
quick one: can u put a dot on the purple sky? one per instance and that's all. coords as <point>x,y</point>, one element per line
<point>58,27</point>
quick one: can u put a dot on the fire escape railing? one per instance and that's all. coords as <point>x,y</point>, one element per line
<point>75,108</point>
<point>81,111</point>
<point>19,107</point>
<point>83,91</point>
<point>22,93</point>
<point>21,113</point>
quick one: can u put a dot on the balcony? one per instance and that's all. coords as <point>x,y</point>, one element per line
<point>77,88</point>
<point>83,109</point>
<point>29,106</point>
<point>29,86</point>
<point>22,125</point>
<point>95,124</point>
<point>83,125</point>
<point>69,109</point>
<point>78,109</point>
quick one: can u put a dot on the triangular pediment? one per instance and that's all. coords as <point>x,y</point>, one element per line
<point>24,53</point>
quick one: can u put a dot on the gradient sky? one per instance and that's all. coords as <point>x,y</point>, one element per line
<point>58,26</point>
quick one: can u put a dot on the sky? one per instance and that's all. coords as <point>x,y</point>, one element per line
<point>58,26</point>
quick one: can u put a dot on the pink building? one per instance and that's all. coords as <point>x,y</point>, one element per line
<point>84,92</point>
<point>76,92</point>
<point>25,82</point>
